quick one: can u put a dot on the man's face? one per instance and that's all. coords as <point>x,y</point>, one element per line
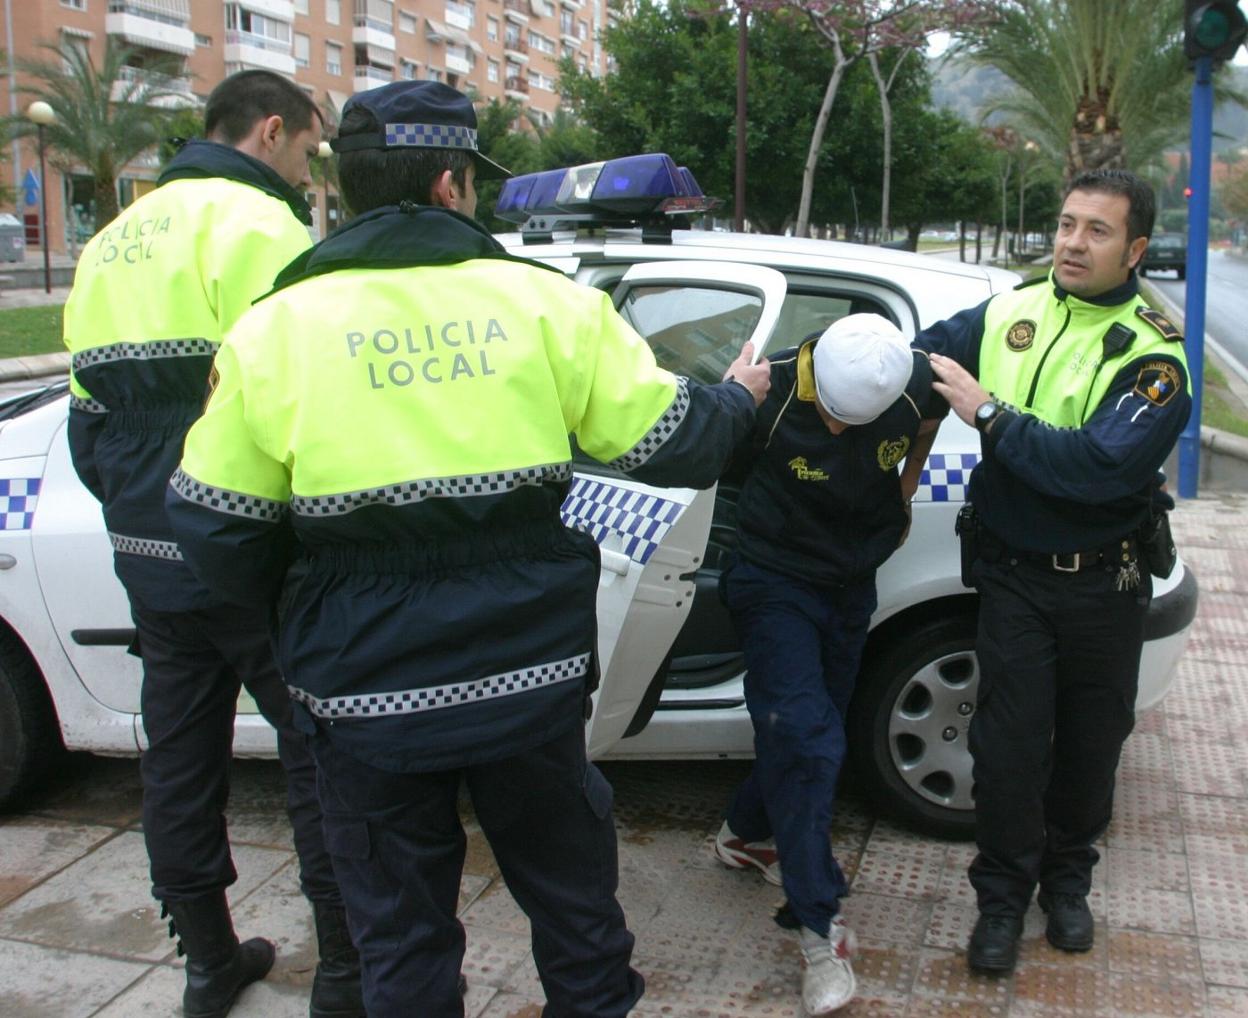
<point>1091,255</point>
<point>291,152</point>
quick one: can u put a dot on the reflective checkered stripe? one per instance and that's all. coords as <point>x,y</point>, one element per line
<point>660,433</point>
<point>18,496</point>
<point>253,507</point>
<point>945,477</point>
<point>87,406</point>
<point>167,550</point>
<point>413,492</point>
<point>602,510</point>
<point>412,701</point>
<point>432,136</point>
<point>156,350</point>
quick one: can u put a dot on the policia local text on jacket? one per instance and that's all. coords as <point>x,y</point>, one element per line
<point>1094,391</point>
<point>389,439</point>
<point>153,294</point>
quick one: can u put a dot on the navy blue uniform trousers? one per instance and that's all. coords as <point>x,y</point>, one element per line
<point>194,663</point>
<point>398,849</point>
<point>1059,661</point>
<point>803,645</point>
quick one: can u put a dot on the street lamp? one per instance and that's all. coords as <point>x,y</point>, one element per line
<point>42,115</point>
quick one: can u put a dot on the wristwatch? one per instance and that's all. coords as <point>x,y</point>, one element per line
<point>986,413</point>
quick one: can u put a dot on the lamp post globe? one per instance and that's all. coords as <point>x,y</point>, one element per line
<point>42,115</point>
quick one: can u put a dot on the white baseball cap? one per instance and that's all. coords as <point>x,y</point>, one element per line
<point>862,364</point>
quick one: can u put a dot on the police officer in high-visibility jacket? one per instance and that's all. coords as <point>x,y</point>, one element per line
<point>385,454</point>
<point>1079,390</point>
<point>154,292</point>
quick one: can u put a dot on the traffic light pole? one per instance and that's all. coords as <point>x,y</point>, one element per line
<point>1197,269</point>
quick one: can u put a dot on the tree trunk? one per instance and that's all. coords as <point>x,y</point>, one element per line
<point>886,117</point>
<point>979,242</point>
<point>106,207</point>
<point>1095,138</point>
<point>912,236</point>
<point>996,240</point>
<point>962,240</point>
<point>816,143</point>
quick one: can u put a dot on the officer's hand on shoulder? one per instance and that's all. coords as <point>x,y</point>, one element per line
<point>755,377</point>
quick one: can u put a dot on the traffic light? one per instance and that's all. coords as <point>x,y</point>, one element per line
<point>1213,28</point>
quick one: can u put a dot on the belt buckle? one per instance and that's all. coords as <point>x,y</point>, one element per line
<point>1074,556</point>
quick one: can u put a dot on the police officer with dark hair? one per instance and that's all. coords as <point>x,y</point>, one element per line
<point>1079,390</point>
<point>387,450</point>
<point>155,291</point>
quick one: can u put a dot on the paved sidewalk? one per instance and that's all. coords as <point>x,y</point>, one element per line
<point>79,935</point>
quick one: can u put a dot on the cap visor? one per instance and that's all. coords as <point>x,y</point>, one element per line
<point>487,169</point>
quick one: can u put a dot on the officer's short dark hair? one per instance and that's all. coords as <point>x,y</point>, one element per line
<point>372,177</point>
<point>1142,206</point>
<point>243,98</point>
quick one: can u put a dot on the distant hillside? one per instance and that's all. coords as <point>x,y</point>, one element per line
<point>966,89</point>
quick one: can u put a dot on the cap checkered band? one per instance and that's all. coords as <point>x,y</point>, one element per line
<point>266,510</point>
<point>411,492</point>
<point>660,433</point>
<point>413,701</point>
<point>634,521</point>
<point>18,497</point>
<point>167,550</point>
<point>945,477</point>
<point>432,136</point>
<point>157,348</point>
<point>87,406</point>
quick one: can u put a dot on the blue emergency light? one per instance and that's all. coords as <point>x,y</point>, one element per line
<point>633,190</point>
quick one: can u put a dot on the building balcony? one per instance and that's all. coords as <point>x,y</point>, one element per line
<point>368,32</point>
<point>150,33</point>
<point>367,77</point>
<point>260,51</point>
<point>178,90</point>
<point>457,61</point>
<point>516,48</point>
<point>278,10</point>
<point>516,10</point>
<point>516,88</point>
<point>570,39</point>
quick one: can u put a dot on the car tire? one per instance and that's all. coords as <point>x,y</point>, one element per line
<point>30,738</point>
<point>1181,273</point>
<point>908,726</point>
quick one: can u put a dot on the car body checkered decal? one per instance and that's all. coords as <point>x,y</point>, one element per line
<point>946,476</point>
<point>18,496</point>
<point>610,513</point>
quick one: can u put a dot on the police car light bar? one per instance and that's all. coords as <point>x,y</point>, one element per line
<point>617,192</point>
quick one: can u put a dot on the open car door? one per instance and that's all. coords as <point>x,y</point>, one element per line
<point>696,317</point>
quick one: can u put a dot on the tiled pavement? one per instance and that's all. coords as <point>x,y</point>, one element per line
<point>79,935</point>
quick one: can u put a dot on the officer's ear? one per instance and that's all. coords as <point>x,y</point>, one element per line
<point>270,131</point>
<point>1135,251</point>
<point>444,192</point>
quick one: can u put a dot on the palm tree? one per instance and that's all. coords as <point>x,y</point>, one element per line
<point>105,116</point>
<point>1099,83</point>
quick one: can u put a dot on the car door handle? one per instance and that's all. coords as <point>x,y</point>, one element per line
<point>615,561</point>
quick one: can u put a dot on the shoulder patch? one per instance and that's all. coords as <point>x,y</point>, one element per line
<point>1031,282</point>
<point>1157,382</point>
<point>1161,323</point>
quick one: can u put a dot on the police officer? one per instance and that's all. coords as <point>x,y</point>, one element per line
<point>153,294</point>
<point>387,449</point>
<point>822,506</point>
<point>1079,390</point>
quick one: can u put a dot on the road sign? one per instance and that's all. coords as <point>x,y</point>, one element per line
<point>30,184</point>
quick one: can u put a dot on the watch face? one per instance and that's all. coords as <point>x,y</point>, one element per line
<point>984,413</point>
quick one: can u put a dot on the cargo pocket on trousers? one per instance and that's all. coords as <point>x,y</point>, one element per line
<point>599,796</point>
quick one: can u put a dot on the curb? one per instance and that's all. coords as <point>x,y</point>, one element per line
<point>16,369</point>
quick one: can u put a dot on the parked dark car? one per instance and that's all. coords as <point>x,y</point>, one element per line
<point>1165,251</point>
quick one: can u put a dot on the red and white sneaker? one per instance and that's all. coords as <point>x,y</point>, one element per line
<point>827,976</point>
<point>738,854</point>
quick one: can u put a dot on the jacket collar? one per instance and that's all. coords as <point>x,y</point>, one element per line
<point>198,160</point>
<point>398,236</point>
<point>806,371</point>
<point>1110,298</point>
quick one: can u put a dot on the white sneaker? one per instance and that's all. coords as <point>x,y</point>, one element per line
<point>738,854</point>
<point>827,976</point>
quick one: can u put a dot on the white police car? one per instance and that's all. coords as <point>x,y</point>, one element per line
<point>671,665</point>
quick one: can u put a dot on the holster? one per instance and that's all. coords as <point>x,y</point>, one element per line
<point>967,528</point>
<point>1156,544</point>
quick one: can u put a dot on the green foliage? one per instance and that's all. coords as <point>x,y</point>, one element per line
<point>182,125</point>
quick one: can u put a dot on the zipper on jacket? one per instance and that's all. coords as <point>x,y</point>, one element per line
<point>1035,381</point>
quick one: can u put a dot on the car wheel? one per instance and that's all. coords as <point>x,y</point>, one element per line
<point>30,739</point>
<point>1143,272</point>
<point>908,726</point>
<point>1181,273</point>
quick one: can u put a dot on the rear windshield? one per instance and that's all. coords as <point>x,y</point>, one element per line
<point>1168,242</point>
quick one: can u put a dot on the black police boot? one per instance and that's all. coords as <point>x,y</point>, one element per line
<point>336,985</point>
<point>217,965</point>
<point>1070,926</point>
<point>994,944</point>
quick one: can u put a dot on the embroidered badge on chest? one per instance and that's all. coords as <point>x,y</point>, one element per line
<point>1157,382</point>
<point>803,471</point>
<point>1021,334</point>
<point>891,453</point>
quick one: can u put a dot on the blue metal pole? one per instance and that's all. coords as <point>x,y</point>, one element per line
<point>1197,270</point>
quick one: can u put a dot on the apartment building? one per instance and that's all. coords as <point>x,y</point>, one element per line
<point>503,49</point>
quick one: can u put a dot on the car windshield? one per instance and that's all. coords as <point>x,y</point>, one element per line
<point>1167,243</point>
<point>15,406</point>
